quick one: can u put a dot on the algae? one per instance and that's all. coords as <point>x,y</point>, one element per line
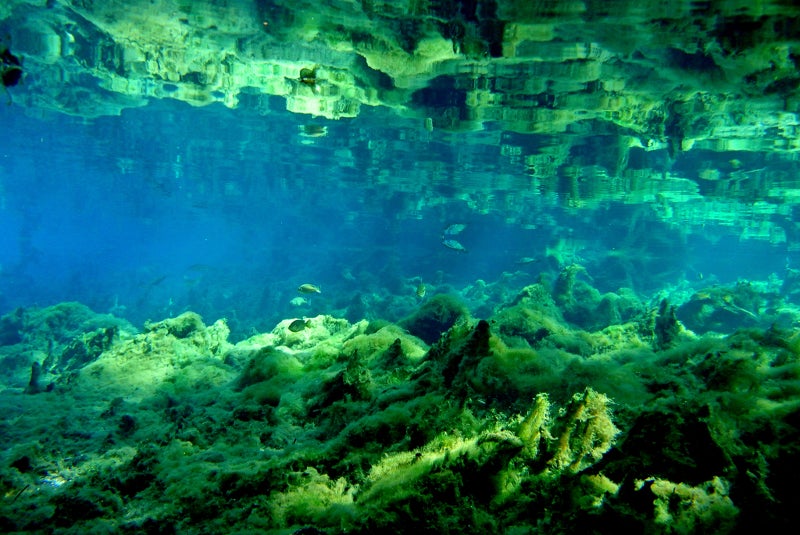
<point>434,317</point>
<point>521,422</point>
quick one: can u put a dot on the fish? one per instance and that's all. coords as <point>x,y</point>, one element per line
<point>421,290</point>
<point>299,325</point>
<point>527,260</point>
<point>157,281</point>
<point>308,76</point>
<point>454,245</point>
<point>309,289</point>
<point>313,130</point>
<point>454,229</point>
<point>298,301</point>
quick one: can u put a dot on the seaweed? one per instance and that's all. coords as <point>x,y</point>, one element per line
<point>520,422</point>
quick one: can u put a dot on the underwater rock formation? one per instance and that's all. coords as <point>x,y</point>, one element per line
<point>435,317</point>
<point>726,308</point>
<point>517,423</point>
<point>61,339</point>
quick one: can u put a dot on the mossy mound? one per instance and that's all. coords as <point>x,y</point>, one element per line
<point>60,339</point>
<point>435,317</point>
<point>178,354</point>
<point>340,427</point>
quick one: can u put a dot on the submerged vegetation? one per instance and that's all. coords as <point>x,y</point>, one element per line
<point>472,267</point>
<point>522,422</point>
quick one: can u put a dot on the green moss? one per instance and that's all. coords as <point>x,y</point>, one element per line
<point>269,373</point>
<point>564,288</point>
<point>182,326</point>
<point>346,428</point>
<point>316,500</point>
<point>521,326</point>
<point>585,435</point>
<point>680,508</point>
<point>375,345</point>
<point>435,317</point>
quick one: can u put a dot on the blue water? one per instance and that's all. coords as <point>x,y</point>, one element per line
<point>168,208</point>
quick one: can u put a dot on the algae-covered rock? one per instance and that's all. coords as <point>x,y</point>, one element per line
<point>378,343</point>
<point>59,339</point>
<point>667,328</point>
<point>268,374</point>
<point>722,309</point>
<point>174,355</point>
<point>522,326</point>
<point>585,435</point>
<point>84,350</point>
<point>434,317</point>
<point>564,288</point>
<point>182,326</point>
<point>343,428</point>
<point>319,329</point>
<point>681,508</point>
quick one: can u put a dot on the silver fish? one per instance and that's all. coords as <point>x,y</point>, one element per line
<point>527,260</point>
<point>455,228</point>
<point>454,245</point>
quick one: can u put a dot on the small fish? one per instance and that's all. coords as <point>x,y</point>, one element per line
<point>298,325</point>
<point>309,289</point>
<point>298,301</point>
<point>313,130</point>
<point>158,280</point>
<point>527,260</point>
<point>454,229</point>
<point>308,76</point>
<point>454,245</point>
<point>421,290</point>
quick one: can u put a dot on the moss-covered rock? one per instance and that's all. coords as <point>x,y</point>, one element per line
<point>435,317</point>
<point>182,326</point>
<point>59,339</point>
<point>346,428</point>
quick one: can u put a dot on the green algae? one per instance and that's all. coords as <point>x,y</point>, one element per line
<point>61,338</point>
<point>434,317</point>
<point>519,423</point>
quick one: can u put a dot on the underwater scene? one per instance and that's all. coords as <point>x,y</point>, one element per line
<point>399,266</point>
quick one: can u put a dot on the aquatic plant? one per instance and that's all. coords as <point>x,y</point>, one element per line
<point>364,427</point>
<point>434,317</point>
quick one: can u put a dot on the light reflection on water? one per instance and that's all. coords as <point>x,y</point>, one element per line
<point>125,201</point>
